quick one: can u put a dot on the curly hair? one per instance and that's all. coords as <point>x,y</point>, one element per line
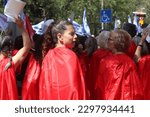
<point>121,40</point>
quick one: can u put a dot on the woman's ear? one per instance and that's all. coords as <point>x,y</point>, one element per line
<point>59,36</point>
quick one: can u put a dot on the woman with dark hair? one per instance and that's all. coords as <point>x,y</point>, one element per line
<point>61,75</point>
<point>118,78</point>
<point>9,63</point>
<point>31,78</point>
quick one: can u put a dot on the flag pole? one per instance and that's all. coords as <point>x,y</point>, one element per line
<point>102,7</point>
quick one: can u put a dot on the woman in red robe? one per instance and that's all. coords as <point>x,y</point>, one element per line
<point>118,78</point>
<point>9,64</point>
<point>143,68</point>
<point>61,75</point>
<point>102,52</point>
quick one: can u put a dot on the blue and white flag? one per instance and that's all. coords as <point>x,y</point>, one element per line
<point>86,28</point>
<point>129,19</point>
<point>5,2</point>
<point>136,22</point>
<point>38,28</point>
<point>3,22</point>
<point>117,23</point>
<point>78,28</point>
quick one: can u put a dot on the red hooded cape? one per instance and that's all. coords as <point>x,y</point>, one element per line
<point>31,79</point>
<point>144,67</point>
<point>61,76</point>
<point>8,87</point>
<point>118,79</point>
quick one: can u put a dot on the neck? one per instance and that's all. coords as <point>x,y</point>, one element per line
<point>1,56</point>
<point>59,45</point>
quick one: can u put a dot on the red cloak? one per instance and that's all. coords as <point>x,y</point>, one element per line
<point>143,68</point>
<point>118,79</point>
<point>31,79</point>
<point>61,76</point>
<point>93,70</point>
<point>132,49</point>
<point>8,87</point>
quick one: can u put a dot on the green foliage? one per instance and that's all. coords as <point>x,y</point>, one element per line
<point>62,9</point>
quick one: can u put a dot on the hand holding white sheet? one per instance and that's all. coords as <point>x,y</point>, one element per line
<point>13,8</point>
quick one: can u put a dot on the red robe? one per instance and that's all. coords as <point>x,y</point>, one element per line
<point>8,87</point>
<point>144,72</point>
<point>132,49</point>
<point>84,62</point>
<point>61,76</point>
<point>31,79</point>
<point>118,79</point>
<point>93,70</point>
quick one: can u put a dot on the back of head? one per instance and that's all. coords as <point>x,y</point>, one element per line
<point>121,40</point>
<point>50,36</point>
<point>6,44</point>
<point>130,28</point>
<point>102,39</point>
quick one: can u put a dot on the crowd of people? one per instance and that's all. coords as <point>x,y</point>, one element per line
<point>59,65</point>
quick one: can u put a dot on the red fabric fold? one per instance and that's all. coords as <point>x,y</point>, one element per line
<point>31,80</point>
<point>61,76</point>
<point>118,79</point>
<point>8,87</point>
<point>93,70</point>
<point>143,68</point>
<point>132,49</point>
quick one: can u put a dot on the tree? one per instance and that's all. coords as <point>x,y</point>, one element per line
<point>62,9</point>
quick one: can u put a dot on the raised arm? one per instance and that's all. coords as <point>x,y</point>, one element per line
<point>22,53</point>
<point>137,55</point>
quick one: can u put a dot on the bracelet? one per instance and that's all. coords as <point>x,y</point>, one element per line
<point>140,45</point>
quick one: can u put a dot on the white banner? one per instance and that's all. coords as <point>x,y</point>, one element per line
<point>70,108</point>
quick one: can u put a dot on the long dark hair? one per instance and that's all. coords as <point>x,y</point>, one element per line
<point>6,47</point>
<point>50,37</point>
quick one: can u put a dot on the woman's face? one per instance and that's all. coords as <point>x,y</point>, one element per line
<point>69,36</point>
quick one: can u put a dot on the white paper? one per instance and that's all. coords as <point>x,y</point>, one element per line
<point>13,8</point>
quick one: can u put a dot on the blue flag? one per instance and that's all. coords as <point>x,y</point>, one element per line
<point>86,28</point>
<point>5,2</point>
<point>78,28</point>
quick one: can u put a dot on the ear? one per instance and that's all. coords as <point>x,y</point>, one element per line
<point>59,36</point>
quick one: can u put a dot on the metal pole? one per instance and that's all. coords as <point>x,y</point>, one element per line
<point>102,7</point>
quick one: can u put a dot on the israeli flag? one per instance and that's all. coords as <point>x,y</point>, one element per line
<point>78,28</point>
<point>3,22</point>
<point>86,28</point>
<point>38,28</point>
<point>129,19</point>
<point>5,2</point>
<point>136,22</point>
